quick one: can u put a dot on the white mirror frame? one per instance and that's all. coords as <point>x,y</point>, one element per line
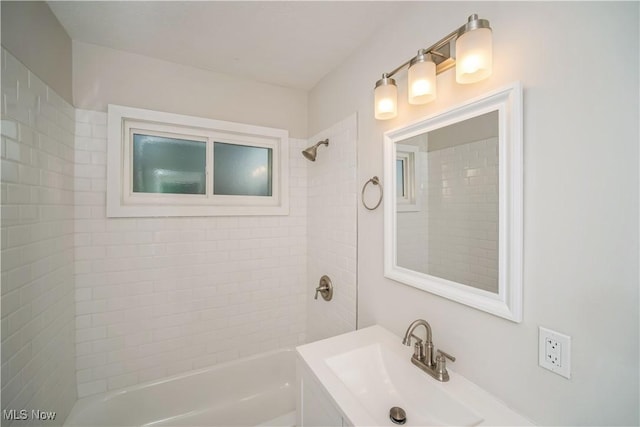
<point>507,303</point>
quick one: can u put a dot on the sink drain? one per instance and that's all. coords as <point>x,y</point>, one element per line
<point>397,415</point>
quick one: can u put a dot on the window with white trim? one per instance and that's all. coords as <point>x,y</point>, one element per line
<point>407,199</point>
<point>163,164</point>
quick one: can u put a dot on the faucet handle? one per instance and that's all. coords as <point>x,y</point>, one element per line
<point>447,355</point>
<point>325,288</point>
<point>441,364</point>
<point>321,289</point>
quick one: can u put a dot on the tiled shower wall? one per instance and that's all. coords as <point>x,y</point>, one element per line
<point>153,296</point>
<point>159,296</point>
<point>332,231</point>
<point>38,356</point>
<point>463,214</point>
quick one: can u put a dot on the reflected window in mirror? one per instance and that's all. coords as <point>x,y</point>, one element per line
<point>407,185</point>
<point>400,178</point>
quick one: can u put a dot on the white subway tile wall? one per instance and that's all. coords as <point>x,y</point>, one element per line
<point>332,231</point>
<point>463,214</point>
<point>152,296</point>
<point>38,352</point>
<point>160,296</point>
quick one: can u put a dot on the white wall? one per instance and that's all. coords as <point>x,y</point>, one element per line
<point>38,354</point>
<point>332,230</point>
<point>160,296</point>
<point>32,33</point>
<point>581,200</point>
<point>103,76</point>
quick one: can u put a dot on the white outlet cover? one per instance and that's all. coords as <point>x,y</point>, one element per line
<point>554,351</point>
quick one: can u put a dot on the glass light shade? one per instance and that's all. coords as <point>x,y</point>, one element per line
<point>386,99</point>
<point>422,82</point>
<point>474,54</point>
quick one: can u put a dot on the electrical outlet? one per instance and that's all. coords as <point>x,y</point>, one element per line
<point>554,352</point>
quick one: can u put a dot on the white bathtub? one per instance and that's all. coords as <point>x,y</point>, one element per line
<point>258,390</point>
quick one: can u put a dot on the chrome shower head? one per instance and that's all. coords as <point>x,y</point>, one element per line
<point>310,153</point>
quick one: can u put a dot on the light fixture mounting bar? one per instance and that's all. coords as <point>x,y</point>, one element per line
<point>443,50</point>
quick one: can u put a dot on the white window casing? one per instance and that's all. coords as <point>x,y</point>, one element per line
<point>123,202</point>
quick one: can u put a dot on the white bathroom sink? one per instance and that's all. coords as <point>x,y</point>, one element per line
<point>369,371</point>
<point>381,380</point>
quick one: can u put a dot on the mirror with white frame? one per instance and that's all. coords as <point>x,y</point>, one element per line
<point>453,211</point>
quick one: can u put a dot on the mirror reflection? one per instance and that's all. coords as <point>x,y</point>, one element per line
<point>447,202</point>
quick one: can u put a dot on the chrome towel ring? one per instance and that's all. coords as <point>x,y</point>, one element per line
<point>375,181</point>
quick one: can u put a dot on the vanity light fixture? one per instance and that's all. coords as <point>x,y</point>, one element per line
<point>471,54</point>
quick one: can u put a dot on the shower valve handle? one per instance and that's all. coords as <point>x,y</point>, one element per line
<point>325,288</point>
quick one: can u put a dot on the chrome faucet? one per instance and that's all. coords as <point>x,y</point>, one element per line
<point>423,352</point>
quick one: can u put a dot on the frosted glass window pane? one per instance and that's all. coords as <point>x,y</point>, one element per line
<point>241,170</point>
<point>168,165</point>
<point>400,178</point>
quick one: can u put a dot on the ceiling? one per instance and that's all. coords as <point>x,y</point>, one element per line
<point>287,43</point>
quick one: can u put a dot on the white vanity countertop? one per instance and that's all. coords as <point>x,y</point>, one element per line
<point>320,358</point>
